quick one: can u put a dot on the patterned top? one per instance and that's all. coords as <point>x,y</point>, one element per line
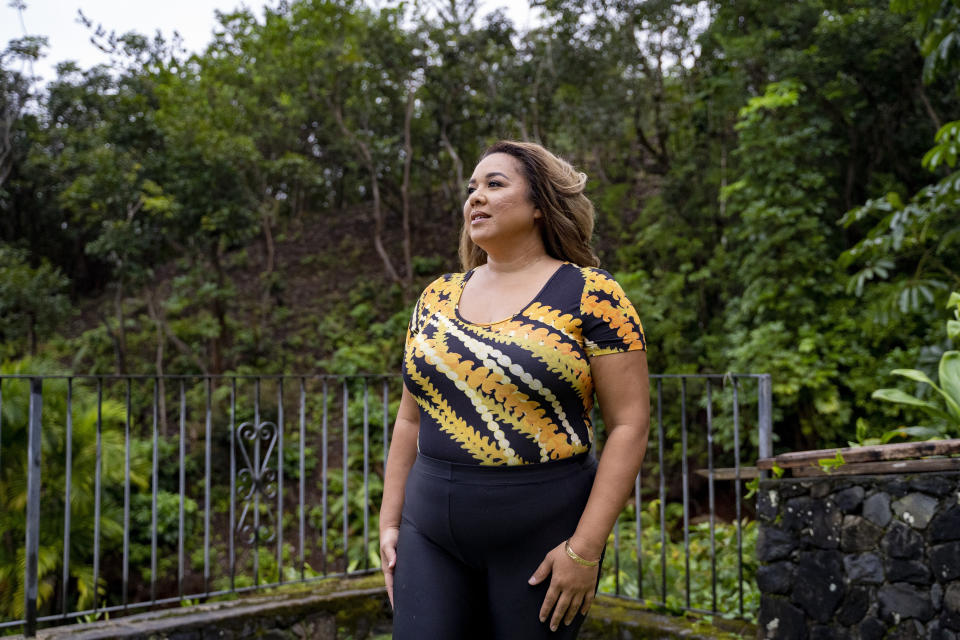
<point>517,391</point>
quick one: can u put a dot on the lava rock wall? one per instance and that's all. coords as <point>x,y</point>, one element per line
<point>860,557</point>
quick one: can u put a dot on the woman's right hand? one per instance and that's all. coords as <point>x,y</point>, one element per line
<point>403,453</point>
<point>388,557</point>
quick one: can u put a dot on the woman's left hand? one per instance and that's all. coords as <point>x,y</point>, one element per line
<point>571,590</point>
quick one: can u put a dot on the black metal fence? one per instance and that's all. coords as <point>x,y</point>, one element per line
<point>128,492</point>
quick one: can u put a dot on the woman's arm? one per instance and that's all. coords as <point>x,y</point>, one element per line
<point>403,451</point>
<point>623,391</point>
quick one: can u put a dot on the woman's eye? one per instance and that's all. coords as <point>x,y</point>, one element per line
<point>494,183</point>
<point>471,190</point>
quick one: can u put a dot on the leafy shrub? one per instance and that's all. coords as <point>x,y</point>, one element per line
<point>701,564</point>
<point>943,412</point>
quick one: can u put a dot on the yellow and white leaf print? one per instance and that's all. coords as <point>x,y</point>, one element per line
<point>517,391</point>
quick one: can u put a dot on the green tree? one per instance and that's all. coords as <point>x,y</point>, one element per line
<point>33,301</point>
<point>15,93</point>
<point>910,245</point>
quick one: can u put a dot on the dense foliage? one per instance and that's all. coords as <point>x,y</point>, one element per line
<point>756,168</point>
<point>776,187</point>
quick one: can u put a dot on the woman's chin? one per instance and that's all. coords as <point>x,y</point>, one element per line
<point>480,237</point>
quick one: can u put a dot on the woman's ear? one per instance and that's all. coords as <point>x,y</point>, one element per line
<point>537,214</point>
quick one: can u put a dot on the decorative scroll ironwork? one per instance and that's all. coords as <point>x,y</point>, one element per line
<point>257,482</point>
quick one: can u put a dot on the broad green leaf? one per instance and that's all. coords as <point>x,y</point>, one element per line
<point>913,374</point>
<point>902,397</point>
<point>954,300</point>
<point>931,159</point>
<point>953,330</point>
<point>950,381</point>
<point>890,435</point>
<point>916,432</point>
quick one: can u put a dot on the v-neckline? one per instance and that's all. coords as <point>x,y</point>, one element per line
<point>469,274</point>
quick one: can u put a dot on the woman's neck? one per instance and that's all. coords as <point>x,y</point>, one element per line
<point>517,260</point>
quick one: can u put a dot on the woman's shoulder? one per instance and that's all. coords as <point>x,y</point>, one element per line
<point>593,278</point>
<point>575,285</point>
<point>444,282</point>
<point>595,274</point>
<point>444,288</point>
<point>600,284</point>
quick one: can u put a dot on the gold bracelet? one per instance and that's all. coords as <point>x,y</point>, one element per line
<point>573,555</point>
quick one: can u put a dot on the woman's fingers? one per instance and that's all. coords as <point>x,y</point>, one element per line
<point>587,603</point>
<point>563,603</point>
<point>388,558</point>
<point>548,601</point>
<point>570,591</point>
<point>542,572</point>
<point>388,580</point>
<point>572,610</point>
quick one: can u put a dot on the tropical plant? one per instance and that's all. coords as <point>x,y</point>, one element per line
<point>943,415</point>
<point>84,456</point>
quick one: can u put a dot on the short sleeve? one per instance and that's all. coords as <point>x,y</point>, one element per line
<point>421,310</point>
<point>410,326</point>
<point>609,321</point>
<point>414,326</point>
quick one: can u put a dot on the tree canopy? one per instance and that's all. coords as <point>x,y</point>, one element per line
<point>775,183</point>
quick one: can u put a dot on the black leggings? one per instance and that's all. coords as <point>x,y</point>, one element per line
<point>471,537</point>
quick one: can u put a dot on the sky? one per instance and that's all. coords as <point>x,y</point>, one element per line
<point>193,19</point>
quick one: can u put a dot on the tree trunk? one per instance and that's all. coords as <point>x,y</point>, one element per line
<point>267,220</point>
<point>458,172</point>
<point>660,126</point>
<point>926,105</point>
<point>405,190</point>
<point>116,338</point>
<point>367,158</point>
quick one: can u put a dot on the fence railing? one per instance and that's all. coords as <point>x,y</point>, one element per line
<point>120,493</point>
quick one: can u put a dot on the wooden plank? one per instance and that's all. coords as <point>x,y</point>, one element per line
<point>886,466</point>
<point>730,473</point>
<point>875,453</point>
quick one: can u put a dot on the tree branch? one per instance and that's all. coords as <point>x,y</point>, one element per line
<point>364,152</point>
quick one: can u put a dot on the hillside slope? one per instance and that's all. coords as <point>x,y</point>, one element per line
<point>321,303</point>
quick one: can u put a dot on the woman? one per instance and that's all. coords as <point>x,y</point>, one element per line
<point>494,514</point>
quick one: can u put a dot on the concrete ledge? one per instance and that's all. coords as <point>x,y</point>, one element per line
<point>357,608</point>
<point>624,619</point>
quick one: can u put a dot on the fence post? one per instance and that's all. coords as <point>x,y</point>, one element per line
<point>765,416</point>
<point>33,507</point>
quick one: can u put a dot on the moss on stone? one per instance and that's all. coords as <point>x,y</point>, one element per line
<point>613,617</point>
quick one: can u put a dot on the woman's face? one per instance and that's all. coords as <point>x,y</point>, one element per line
<point>498,207</point>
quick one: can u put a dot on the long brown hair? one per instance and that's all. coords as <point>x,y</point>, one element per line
<point>556,189</point>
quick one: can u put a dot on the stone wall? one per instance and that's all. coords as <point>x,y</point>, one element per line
<point>860,557</point>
